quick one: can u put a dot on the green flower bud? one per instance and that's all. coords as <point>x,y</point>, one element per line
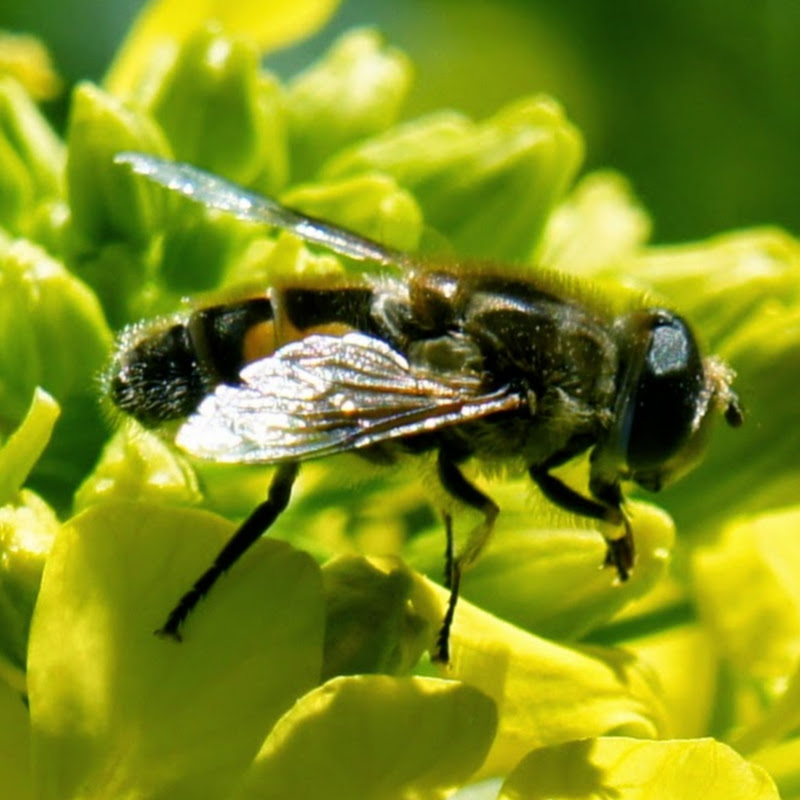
<point>215,109</point>
<point>199,247</point>
<point>164,24</point>
<point>370,625</point>
<point>119,274</point>
<point>274,157</point>
<point>354,91</point>
<point>106,200</point>
<point>372,205</point>
<point>31,156</point>
<point>26,59</point>
<point>52,330</point>
<point>138,465</point>
<point>27,528</point>
<point>503,175</point>
<point>596,230</point>
<point>726,283</point>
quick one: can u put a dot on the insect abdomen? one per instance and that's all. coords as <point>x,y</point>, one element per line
<point>162,373</point>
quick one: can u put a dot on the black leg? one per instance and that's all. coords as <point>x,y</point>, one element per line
<point>461,489</point>
<point>250,530</point>
<point>442,654</point>
<point>448,550</point>
<point>620,553</point>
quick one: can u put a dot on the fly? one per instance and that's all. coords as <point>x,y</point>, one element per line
<point>469,361</point>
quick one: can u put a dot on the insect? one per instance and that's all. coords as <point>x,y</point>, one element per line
<point>468,361</point>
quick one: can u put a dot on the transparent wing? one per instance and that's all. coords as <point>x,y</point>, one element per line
<point>327,394</point>
<point>215,192</point>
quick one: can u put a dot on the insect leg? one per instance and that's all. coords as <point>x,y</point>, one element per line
<point>461,489</point>
<point>620,552</point>
<point>448,550</point>
<point>452,581</point>
<point>250,530</point>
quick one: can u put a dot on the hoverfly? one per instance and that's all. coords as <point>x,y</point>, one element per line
<point>468,361</point>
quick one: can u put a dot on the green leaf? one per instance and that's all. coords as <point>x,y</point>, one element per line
<point>374,738</point>
<point>630,769</point>
<point>355,91</point>
<point>117,711</point>
<point>503,175</point>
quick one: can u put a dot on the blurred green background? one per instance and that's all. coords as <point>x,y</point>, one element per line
<point>697,101</point>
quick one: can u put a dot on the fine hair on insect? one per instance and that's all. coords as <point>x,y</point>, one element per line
<point>466,361</point>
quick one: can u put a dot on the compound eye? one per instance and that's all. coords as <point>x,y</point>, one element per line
<point>667,392</point>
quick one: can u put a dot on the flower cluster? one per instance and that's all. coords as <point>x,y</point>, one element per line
<point>307,676</point>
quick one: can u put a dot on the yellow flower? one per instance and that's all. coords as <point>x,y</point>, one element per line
<point>304,674</point>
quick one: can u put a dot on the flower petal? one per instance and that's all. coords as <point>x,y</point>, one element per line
<point>630,769</point>
<point>758,631</point>
<point>117,709</point>
<point>545,693</point>
<point>374,738</point>
<point>15,756</point>
<point>165,23</point>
